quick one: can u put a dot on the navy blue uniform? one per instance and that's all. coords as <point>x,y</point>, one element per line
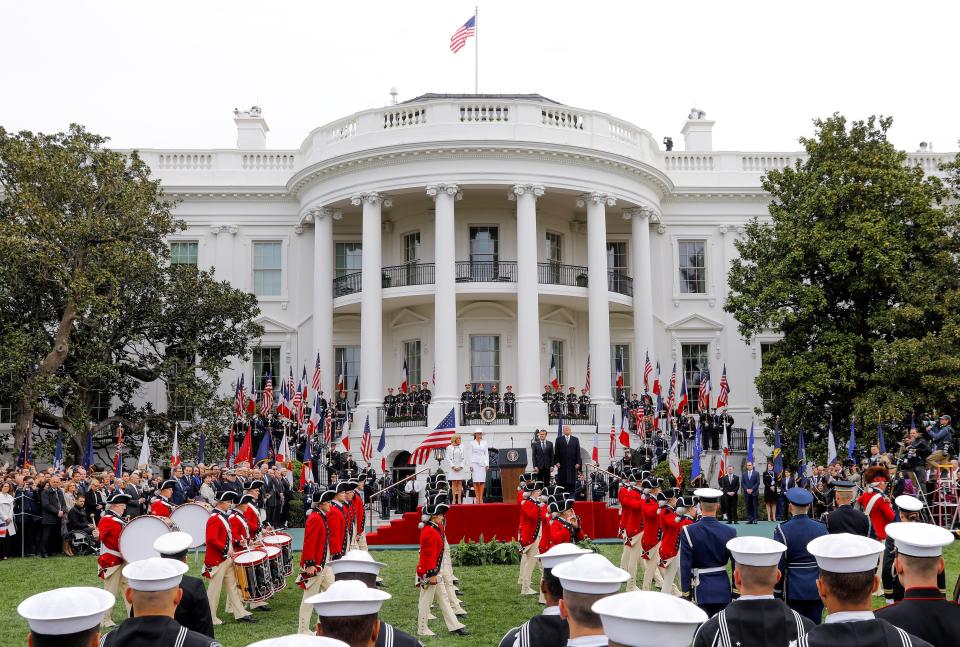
<point>704,556</point>
<point>846,518</point>
<point>799,584</point>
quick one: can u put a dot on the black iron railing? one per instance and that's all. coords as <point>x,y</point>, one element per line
<point>620,283</point>
<point>346,284</point>
<point>398,276</point>
<point>500,416</point>
<point>486,271</point>
<point>559,274</point>
<point>581,418</point>
<point>383,420</point>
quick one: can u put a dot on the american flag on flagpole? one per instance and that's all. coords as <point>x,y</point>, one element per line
<point>366,442</point>
<point>703,401</point>
<point>436,439</point>
<point>459,38</point>
<point>239,398</point>
<point>328,426</point>
<point>672,390</point>
<point>647,372</point>
<point>298,400</point>
<point>266,407</point>
<point>587,385</point>
<point>316,375</point>
<point>724,389</point>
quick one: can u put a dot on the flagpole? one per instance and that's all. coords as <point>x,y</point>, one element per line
<point>476,51</point>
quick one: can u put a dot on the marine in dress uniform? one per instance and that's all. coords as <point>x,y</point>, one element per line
<point>72,613</point>
<point>389,403</point>
<point>192,611</point>
<point>315,574</point>
<point>798,585</point>
<point>218,561</point>
<point>704,556</point>
<point>509,401</point>
<point>572,402</point>
<point>584,403</point>
<point>110,560</point>
<point>647,619</point>
<point>346,603</point>
<point>924,611</point>
<point>586,580</point>
<point>756,618</point>
<point>674,517</point>
<point>467,400</point>
<point>161,505</point>
<point>425,395</point>
<point>529,534</point>
<point>909,508</point>
<point>845,518</point>
<point>849,561</point>
<point>428,569</point>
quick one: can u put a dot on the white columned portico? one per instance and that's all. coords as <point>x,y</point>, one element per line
<point>642,289</point>
<point>371,305</point>
<point>598,315</point>
<point>444,303</point>
<point>530,408</point>
<point>323,295</point>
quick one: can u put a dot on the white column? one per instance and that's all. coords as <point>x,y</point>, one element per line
<point>223,254</point>
<point>323,296</point>
<point>371,303</point>
<point>597,300</point>
<point>445,394</point>
<point>530,408</point>
<point>642,289</point>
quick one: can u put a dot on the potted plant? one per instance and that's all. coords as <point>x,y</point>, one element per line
<point>387,281</point>
<point>581,280</point>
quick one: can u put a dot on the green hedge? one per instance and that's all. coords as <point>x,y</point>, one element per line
<point>297,517</point>
<point>480,553</point>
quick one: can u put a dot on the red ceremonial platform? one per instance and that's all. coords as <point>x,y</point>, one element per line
<point>493,521</point>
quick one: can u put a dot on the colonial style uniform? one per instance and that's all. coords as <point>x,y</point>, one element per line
<point>217,563</point>
<point>875,503</point>
<point>650,539</point>
<point>359,538</point>
<point>110,560</point>
<point>428,566</point>
<point>161,505</point>
<point>704,557</point>
<point>315,555</point>
<point>798,586</point>
<point>529,535</point>
<point>631,528</point>
<point>338,524</point>
<point>562,530</point>
<point>671,523</point>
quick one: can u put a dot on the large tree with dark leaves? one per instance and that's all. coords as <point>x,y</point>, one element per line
<point>857,268</point>
<point>91,311</point>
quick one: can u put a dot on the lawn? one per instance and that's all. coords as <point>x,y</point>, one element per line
<point>491,597</point>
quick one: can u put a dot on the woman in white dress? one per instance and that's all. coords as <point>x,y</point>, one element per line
<point>479,462</point>
<point>7,529</point>
<point>457,474</point>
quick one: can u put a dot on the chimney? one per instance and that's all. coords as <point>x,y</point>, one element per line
<point>251,128</point>
<point>697,132</point>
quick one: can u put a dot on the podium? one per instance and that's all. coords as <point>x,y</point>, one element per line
<point>512,462</point>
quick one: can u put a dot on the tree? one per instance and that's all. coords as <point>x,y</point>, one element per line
<point>857,269</point>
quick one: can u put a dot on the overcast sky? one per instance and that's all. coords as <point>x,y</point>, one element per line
<point>168,74</point>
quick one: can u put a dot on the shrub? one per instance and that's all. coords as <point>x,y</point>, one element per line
<point>480,553</point>
<point>297,518</point>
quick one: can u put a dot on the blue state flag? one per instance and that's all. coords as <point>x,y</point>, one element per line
<point>802,456</point>
<point>852,444</point>
<point>695,467</point>
<point>750,444</point>
<point>200,449</point>
<point>880,441</point>
<point>266,443</point>
<point>58,453</point>
<point>777,450</point>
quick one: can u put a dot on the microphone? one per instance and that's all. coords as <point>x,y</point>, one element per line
<point>511,442</point>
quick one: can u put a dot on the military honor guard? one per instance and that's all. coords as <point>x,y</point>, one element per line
<point>756,618</point>
<point>389,403</point>
<point>585,581</point>
<point>110,560</point>
<point>674,517</point>
<point>565,527</point>
<point>650,538</point>
<point>848,576</point>
<point>583,402</point>
<point>529,534</point>
<point>251,513</point>
<point>647,619</point>
<point>162,506</point>
<point>192,611</point>
<point>428,569</point>
<point>631,524</point>
<point>548,628</point>
<point>910,508</point>
<point>359,520</point>
<point>315,573</point>
<point>218,561</point>
<point>924,610</point>
<point>798,586</point>
<point>338,521</point>
<point>846,518</point>
<point>704,556</point>
<point>874,501</point>
<point>66,617</point>
<point>349,611</point>
<point>448,579</point>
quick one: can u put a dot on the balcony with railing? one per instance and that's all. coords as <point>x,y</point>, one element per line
<point>579,417</point>
<point>559,274</point>
<point>347,284</point>
<point>620,282</point>
<point>486,271</point>
<point>399,276</point>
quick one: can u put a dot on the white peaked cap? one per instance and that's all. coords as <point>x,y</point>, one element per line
<point>592,574</point>
<point>845,553</point>
<point>919,539</point>
<point>66,611</point>
<point>172,543</point>
<point>299,640</point>
<point>708,494</point>
<point>348,598</point>
<point>356,561</point>
<point>755,551</point>
<point>909,503</point>
<point>560,554</point>
<point>154,574</point>
<point>641,618</point>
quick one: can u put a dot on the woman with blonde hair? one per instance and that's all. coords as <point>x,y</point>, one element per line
<point>457,473</point>
<point>479,462</point>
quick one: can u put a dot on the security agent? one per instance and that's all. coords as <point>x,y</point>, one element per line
<point>647,619</point>
<point>359,565</point>
<point>845,518</point>
<point>349,611</point>
<point>586,580</point>
<point>704,556</point>
<point>909,508</point>
<point>848,577</point>
<point>193,611</point>
<point>153,593</point>
<point>548,628</point>
<point>924,611</point>
<point>798,568</point>
<point>66,617</point>
<point>756,617</point>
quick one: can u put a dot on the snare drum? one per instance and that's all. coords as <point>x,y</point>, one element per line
<point>192,518</point>
<point>252,570</point>
<point>284,542</point>
<point>137,537</point>
<point>275,556</point>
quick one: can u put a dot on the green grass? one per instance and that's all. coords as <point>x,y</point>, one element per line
<point>491,597</point>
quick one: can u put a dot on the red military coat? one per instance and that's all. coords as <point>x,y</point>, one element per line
<point>110,527</point>
<point>218,539</point>
<point>562,532</point>
<point>545,521</point>
<point>876,506</point>
<point>315,540</point>
<point>651,523</point>
<point>358,517</point>
<point>337,530</point>
<point>239,530</point>
<point>672,525</point>
<point>161,507</point>
<point>631,512</point>
<point>529,522</point>
<point>252,517</point>
<point>431,550</point>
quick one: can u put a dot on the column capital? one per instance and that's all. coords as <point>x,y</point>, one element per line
<point>311,215</point>
<point>536,190</point>
<point>371,197</point>
<point>434,190</point>
<point>216,230</point>
<point>596,198</point>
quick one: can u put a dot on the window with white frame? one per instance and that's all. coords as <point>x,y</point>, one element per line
<point>692,266</point>
<point>267,268</point>
<point>178,405</point>
<point>695,359</point>
<point>556,356</point>
<point>347,362</point>
<point>266,358</point>
<point>620,360</point>
<point>349,258</point>
<point>184,252</point>
<point>411,353</point>
<point>554,251</point>
<point>484,361</point>
<point>6,413</point>
<point>765,348</point>
<point>617,256</point>
<point>411,247</point>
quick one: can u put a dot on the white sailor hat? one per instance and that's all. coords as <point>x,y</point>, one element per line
<point>919,539</point>
<point>845,553</point>
<point>356,561</point>
<point>154,574</point>
<point>707,494</point>
<point>66,610</point>
<point>299,640</point>
<point>348,598</point>
<point>649,618</point>
<point>592,574</point>
<point>172,543</point>
<point>560,554</point>
<point>755,551</point>
<point>908,503</point>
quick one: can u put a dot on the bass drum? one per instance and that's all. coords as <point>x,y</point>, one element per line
<point>137,537</point>
<point>191,518</point>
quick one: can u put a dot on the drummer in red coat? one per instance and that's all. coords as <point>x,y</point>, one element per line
<point>111,561</point>
<point>218,561</point>
<point>566,524</point>
<point>529,534</point>
<point>650,540</point>
<point>251,513</point>
<point>673,517</point>
<point>428,568</point>
<point>161,506</point>
<point>874,502</point>
<point>337,522</point>
<point>315,574</point>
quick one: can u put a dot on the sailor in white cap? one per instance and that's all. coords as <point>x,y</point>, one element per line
<point>548,628</point>
<point>646,618</point>
<point>360,566</point>
<point>67,617</point>
<point>848,576</point>
<point>193,611</point>
<point>756,617</point>
<point>585,580</point>
<point>924,611</point>
<point>299,640</point>
<point>349,611</point>
<point>704,556</point>
<point>153,593</point>
<point>909,508</point>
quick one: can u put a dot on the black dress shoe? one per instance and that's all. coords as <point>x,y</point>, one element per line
<point>249,619</point>
<point>462,631</point>
<point>461,614</point>
<point>265,607</point>
<point>458,592</point>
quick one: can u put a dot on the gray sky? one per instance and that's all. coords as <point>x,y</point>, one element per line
<point>167,74</point>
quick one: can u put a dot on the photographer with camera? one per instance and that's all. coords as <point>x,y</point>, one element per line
<point>914,459</point>
<point>941,441</point>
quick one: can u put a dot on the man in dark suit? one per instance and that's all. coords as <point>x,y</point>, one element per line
<point>730,486</point>
<point>567,459</point>
<point>750,483</point>
<point>134,489</point>
<point>542,456</point>
<point>54,508</point>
